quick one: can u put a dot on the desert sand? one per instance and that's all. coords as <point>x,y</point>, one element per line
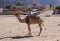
<point>10,27</point>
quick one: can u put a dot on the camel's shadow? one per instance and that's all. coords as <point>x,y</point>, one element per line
<point>16,37</point>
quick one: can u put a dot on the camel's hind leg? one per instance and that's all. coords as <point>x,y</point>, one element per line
<point>29,30</point>
<point>40,28</point>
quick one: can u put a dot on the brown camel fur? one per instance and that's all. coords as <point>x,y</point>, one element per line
<point>30,20</point>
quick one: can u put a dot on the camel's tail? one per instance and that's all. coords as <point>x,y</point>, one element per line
<point>42,22</point>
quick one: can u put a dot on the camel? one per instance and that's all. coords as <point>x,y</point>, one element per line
<point>30,19</point>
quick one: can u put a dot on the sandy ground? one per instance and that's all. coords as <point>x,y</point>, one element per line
<point>10,27</point>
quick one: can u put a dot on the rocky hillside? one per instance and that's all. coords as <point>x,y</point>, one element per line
<point>28,2</point>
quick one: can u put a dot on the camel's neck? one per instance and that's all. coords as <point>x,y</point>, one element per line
<point>19,18</point>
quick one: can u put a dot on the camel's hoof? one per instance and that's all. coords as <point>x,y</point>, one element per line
<point>29,34</point>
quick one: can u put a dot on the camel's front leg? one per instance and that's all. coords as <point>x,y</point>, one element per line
<point>29,30</point>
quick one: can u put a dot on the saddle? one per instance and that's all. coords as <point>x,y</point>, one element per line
<point>31,17</point>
